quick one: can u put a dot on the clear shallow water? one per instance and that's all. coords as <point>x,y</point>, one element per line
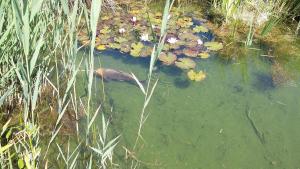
<point>205,125</point>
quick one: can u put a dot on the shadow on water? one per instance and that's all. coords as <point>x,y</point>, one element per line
<point>182,83</point>
<point>263,81</point>
<point>169,70</point>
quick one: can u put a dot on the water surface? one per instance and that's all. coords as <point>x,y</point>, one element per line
<point>205,124</point>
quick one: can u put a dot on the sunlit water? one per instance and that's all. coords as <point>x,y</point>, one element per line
<point>205,124</point>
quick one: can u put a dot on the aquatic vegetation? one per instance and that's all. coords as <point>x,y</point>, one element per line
<point>101,47</point>
<point>184,22</point>
<point>200,28</point>
<point>191,52</point>
<point>122,30</point>
<point>214,46</point>
<point>145,37</point>
<point>167,59</point>
<point>204,55</point>
<point>192,75</point>
<point>185,63</point>
<point>200,42</point>
<point>136,49</point>
<point>172,40</point>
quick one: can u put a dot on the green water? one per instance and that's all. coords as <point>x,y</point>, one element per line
<point>204,124</point>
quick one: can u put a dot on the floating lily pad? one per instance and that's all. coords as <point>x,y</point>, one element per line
<point>185,63</point>
<point>146,51</point>
<point>125,48</point>
<point>114,45</point>
<point>201,28</point>
<point>185,22</point>
<point>101,47</point>
<point>168,58</point>
<point>214,46</point>
<point>120,39</point>
<point>190,52</point>
<point>204,55</point>
<point>105,30</point>
<point>192,75</point>
<point>136,49</point>
<point>187,36</point>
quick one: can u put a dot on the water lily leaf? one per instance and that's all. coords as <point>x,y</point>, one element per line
<point>184,22</point>
<point>175,45</point>
<point>187,36</point>
<point>114,45</point>
<point>192,75</point>
<point>146,51</point>
<point>167,59</point>
<point>104,18</point>
<point>136,49</point>
<point>185,63</point>
<point>214,46</point>
<point>120,39</point>
<point>101,47</point>
<point>200,28</point>
<point>105,30</point>
<point>125,48</point>
<point>190,52</point>
<point>204,55</point>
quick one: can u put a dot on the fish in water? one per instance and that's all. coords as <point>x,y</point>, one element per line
<point>115,75</point>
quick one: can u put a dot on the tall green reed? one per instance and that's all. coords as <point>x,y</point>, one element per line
<point>33,35</point>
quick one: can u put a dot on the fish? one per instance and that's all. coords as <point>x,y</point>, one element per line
<point>115,75</point>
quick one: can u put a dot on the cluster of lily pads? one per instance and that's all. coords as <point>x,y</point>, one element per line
<point>135,31</point>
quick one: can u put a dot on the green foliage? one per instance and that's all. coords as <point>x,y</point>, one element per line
<point>214,46</point>
<point>185,63</point>
<point>200,28</point>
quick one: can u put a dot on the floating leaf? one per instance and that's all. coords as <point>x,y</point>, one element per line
<point>204,55</point>
<point>214,46</point>
<point>201,28</point>
<point>114,45</point>
<point>101,47</point>
<point>190,52</point>
<point>146,51</point>
<point>125,48</point>
<point>120,39</point>
<point>136,49</point>
<point>192,75</point>
<point>167,59</point>
<point>105,30</point>
<point>184,22</point>
<point>185,63</point>
<point>188,36</point>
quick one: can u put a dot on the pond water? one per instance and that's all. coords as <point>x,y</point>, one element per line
<point>235,118</point>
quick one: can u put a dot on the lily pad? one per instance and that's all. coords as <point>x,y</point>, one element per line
<point>185,63</point>
<point>136,49</point>
<point>146,51</point>
<point>167,59</point>
<point>105,30</point>
<point>185,22</point>
<point>114,45</point>
<point>101,47</point>
<point>120,39</point>
<point>187,36</point>
<point>125,48</point>
<point>192,75</point>
<point>214,46</point>
<point>204,55</point>
<point>190,52</point>
<point>200,28</point>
